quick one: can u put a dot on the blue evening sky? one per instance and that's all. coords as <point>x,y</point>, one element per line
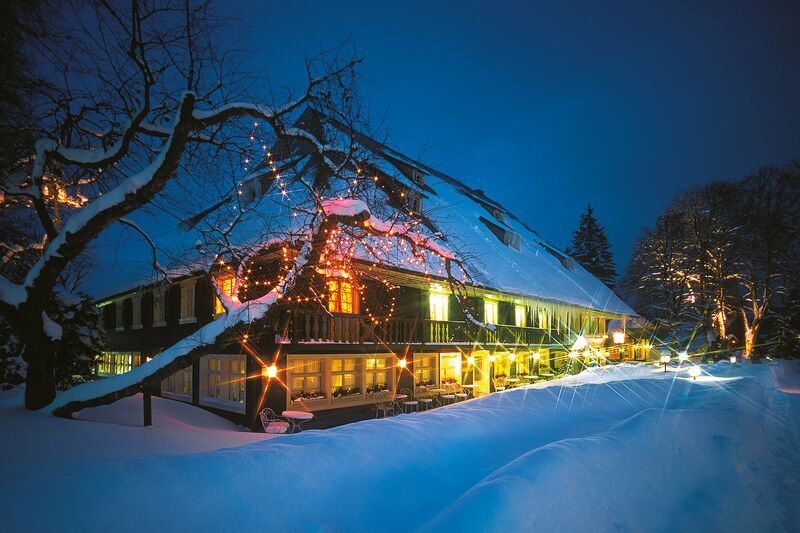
<point>550,105</point>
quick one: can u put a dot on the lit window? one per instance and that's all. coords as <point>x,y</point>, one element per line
<point>187,302</point>
<point>345,378</point>
<point>342,297</point>
<point>306,380</point>
<point>178,384</point>
<point>450,368</point>
<point>543,318</point>
<point>159,305</point>
<point>519,316</point>
<point>226,285</point>
<point>439,304</point>
<point>377,374</point>
<point>112,363</point>
<point>222,381</point>
<point>424,370</point>
<point>490,312</point>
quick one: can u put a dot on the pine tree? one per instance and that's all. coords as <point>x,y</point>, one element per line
<point>591,249</point>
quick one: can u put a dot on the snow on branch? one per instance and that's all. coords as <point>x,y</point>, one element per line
<point>182,353</point>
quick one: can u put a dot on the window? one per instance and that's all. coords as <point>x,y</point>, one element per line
<point>345,378</point>
<point>119,317</point>
<point>519,316</point>
<point>222,381</point>
<point>342,297</point>
<point>136,311</point>
<point>187,302</point>
<point>226,284</point>
<point>113,363</point>
<point>377,374</point>
<point>424,369</point>
<point>490,312</point>
<point>178,384</point>
<point>159,307</point>
<point>450,368</point>
<point>306,379</point>
<point>439,303</point>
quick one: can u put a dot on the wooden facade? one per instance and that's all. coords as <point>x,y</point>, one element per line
<point>344,357</point>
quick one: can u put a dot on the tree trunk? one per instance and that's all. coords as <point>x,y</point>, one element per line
<point>750,338</point>
<point>40,381</point>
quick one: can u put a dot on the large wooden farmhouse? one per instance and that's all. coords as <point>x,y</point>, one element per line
<point>331,356</point>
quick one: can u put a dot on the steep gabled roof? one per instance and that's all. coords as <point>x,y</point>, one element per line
<point>500,250</point>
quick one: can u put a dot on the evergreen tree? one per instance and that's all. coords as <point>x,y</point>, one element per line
<point>591,249</point>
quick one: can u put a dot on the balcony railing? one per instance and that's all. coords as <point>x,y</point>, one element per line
<point>310,327</point>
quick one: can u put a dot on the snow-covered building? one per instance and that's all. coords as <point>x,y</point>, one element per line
<point>523,308</point>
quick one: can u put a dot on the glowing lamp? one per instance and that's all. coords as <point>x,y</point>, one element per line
<point>573,355</point>
<point>536,356</point>
<point>580,343</point>
<point>512,356</point>
<point>471,360</point>
<point>492,358</point>
<point>683,356</point>
<point>664,359</point>
<point>694,372</point>
<point>618,337</point>
<point>733,359</point>
<point>402,363</point>
<point>270,371</point>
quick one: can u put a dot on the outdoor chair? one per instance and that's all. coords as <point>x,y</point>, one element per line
<point>460,394</point>
<point>409,402</point>
<point>383,404</point>
<point>424,397</point>
<point>272,424</point>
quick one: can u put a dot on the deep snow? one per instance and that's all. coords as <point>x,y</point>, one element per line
<point>621,448</point>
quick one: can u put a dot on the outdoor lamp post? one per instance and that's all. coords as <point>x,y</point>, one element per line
<point>665,361</point>
<point>694,372</point>
<point>733,359</point>
<point>683,356</point>
<point>270,372</point>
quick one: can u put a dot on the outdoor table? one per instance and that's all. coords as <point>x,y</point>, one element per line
<point>471,388</point>
<point>296,418</point>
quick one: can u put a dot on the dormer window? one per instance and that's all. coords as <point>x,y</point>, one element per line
<point>418,178</point>
<point>342,296</point>
<point>504,235</point>
<point>226,285</point>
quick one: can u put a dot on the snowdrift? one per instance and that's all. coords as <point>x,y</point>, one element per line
<point>628,447</point>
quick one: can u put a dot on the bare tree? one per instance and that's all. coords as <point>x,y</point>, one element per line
<point>143,95</point>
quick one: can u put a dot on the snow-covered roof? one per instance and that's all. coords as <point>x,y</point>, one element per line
<point>501,252</point>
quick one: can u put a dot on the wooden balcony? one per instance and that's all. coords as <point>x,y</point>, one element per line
<point>310,327</point>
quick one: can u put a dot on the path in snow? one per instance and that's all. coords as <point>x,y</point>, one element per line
<point>628,447</point>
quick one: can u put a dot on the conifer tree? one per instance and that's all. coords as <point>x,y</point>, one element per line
<point>590,248</point>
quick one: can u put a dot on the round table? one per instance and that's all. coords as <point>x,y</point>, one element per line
<point>296,418</point>
<point>471,387</point>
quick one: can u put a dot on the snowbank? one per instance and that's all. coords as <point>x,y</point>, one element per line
<point>111,431</point>
<point>631,448</point>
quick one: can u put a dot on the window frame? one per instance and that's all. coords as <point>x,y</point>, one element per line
<point>226,378</point>
<point>188,287</point>
<point>159,294</point>
<point>439,301</point>
<point>336,304</point>
<point>520,311</point>
<point>493,305</point>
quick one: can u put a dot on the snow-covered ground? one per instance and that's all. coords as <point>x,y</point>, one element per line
<point>112,431</point>
<point>627,448</point>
